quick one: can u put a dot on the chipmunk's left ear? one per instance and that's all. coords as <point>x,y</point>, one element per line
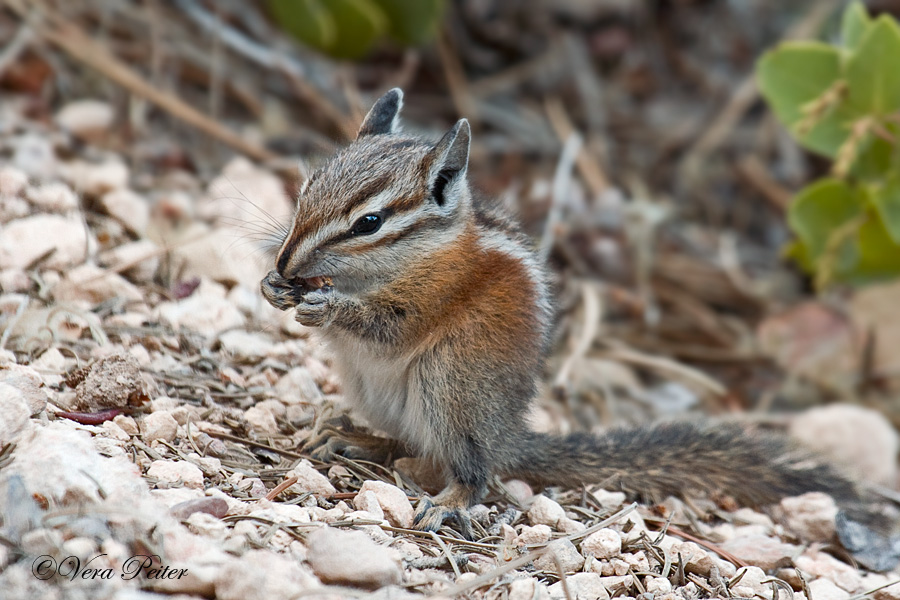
<point>447,163</point>
<point>383,116</point>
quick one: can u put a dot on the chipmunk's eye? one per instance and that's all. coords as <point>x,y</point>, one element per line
<point>367,225</point>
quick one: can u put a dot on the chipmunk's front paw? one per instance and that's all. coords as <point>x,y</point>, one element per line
<point>315,308</point>
<point>430,517</point>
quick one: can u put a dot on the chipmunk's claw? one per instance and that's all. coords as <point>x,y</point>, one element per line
<point>430,517</point>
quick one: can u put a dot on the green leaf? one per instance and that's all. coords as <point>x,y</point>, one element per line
<point>412,22</point>
<point>854,23</point>
<point>359,24</point>
<point>879,255</point>
<point>818,211</point>
<point>872,70</point>
<point>886,200</point>
<point>306,20</point>
<point>793,75</point>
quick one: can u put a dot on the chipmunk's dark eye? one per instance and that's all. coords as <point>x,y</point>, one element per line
<point>367,225</point>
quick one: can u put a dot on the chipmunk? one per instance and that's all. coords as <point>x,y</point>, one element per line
<point>438,314</point>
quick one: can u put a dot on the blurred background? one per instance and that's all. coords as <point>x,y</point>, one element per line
<point>629,136</point>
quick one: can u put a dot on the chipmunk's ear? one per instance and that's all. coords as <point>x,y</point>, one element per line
<point>449,160</point>
<point>383,116</point>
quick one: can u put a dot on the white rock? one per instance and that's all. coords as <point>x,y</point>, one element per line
<point>86,118</point>
<point>565,551</point>
<point>568,525</point>
<point>366,501</point>
<point>393,501</point>
<point>583,586</point>
<point>15,280</point>
<point>12,181</point>
<point>753,578</point>
<point>218,254</point>
<point>819,564</point>
<point>658,585</point>
<point>159,425</point>
<point>309,480</point>
<point>249,346</point>
<point>810,516</point>
<point>538,534</point>
<point>28,383</point>
<point>23,241</point>
<point>604,543</point>
<point>696,559</point>
<point>62,463</point>
<point>544,511</point>
<point>261,420</point>
<point>207,525</point>
<point>760,550</point>
<point>173,472</point>
<point>14,409</point>
<point>129,208</point>
<point>35,156</point>
<point>143,255</point>
<point>519,490</point>
<point>52,197</point>
<point>823,589</point>
<point>96,179</point>
<point>833,432</point>
<point>298,385</point>
<point>203,313</point>
<point>527,588</point>
<point>92,284</point>
<point>263,575</point>
<point>128,424</point>
<point>245,192</point>
<point>351,558</point>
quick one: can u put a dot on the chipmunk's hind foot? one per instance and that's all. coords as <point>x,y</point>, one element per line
<point>452,504</point>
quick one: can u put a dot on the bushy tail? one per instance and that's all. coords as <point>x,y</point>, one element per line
<point>680,459</point>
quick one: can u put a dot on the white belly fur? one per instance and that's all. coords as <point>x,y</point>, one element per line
<point>383,389</point>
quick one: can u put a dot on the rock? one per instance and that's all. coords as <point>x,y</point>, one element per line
<point>538,534</point>
<point>604,543</point>
<point>113,381</point>
<point>61,464</point>
<point>52,197</point>
<point>569,558</point>
<point>12,181</point>
<point>814,563</point>
<point>206,311</point>
<point>527,588</point>
<point>298,385</point>
<point>810,516</point>
<point>519,490</point>
<point>159,425</point>
<point>219,255</point>
<point>309,480</point>
<point>261,420</point>
<point>366,501</point>
<point>176,472</point>
<point>143,255</point>
<point>27,385</point>
<point>263,575</point>
<point>696,559</point>
<point>88,119</point>
<point>35,156</point>
<point>658,585</point>
<point>246,345</point>
<point>12,208</point>
<point>393,501</point>
<point>96,179</point>
<point>763,551</point>
<point>230,196</point>
<point>351,558</point>
<point>823,589</point>
<point>89,283</point>
<point>834,433</point>
<point>583,586</point>
<point>544,511</point>
<point>128,424</point>
<point>14,409</point>
<point>24,241</point>
<point>15,280</point>
<point>568,525</point>
<point>128,208</point>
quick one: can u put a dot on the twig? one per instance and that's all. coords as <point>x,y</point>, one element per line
<point>562,181</point>
<point>281,487</point>
<point>752,170</point>
<point>674,368</point>
<point>446,549</point>
<point>562,126</point>
<point>479,581</point>
<point>14,48</point>
<point>81,47</point>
